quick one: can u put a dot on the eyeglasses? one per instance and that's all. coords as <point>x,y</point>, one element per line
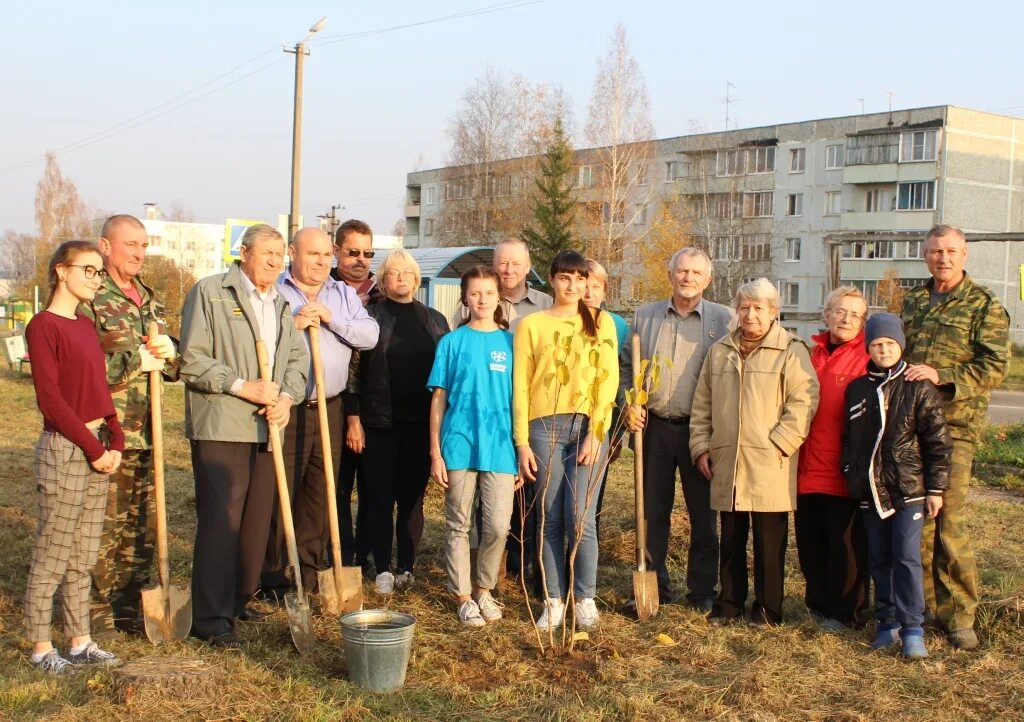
<point>395,273</point>
<point>355,253</point>
<point>90,271</point>
<point>843,313</point>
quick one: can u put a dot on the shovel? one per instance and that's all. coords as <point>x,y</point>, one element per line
<point>341,587</point>
<point>299,621</point>
<point>645,583</point>
<point>166,610</point>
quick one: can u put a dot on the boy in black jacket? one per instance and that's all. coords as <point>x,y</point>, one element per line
<point>896,459</point>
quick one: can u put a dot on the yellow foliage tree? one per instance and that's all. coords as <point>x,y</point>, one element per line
<point>670,231</point>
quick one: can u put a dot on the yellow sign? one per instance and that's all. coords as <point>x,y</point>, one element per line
<point>233,230</point>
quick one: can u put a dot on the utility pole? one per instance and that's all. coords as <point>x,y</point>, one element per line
<point>300,52</point>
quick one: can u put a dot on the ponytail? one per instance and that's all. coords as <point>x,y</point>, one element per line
<point>589,316</point>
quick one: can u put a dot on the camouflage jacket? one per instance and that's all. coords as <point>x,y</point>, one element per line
<point>966,339</point>
<point>121,325</point>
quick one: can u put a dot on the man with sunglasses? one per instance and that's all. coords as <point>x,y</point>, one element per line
<point>122,310</point>
<point>353,245</point>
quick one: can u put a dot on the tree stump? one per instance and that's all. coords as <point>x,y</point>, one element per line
<point>165,679</point>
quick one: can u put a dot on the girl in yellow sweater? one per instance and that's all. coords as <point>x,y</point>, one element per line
<point>565,374</point>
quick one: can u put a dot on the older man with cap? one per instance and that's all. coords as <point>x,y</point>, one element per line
<point>227,408</point>
<point>317,302</point>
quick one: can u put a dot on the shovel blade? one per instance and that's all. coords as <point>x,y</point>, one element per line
<point>167,614</point>
<point>351,583</point>
<point>300,623</point>
<point>328,593</point>
<point>645,592</point>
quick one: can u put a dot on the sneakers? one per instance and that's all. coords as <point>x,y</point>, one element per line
<point>403,580</point>
<point>469,614</point>
<point>385,583</point>
<point>913,643</point>
<point>828,625</point>
<point>92,654</point>
<point>966,639</point>
<point>490,608</point>
<point>54,664</point>
<point>885,637</point>
<point>552,616</point>
<point>586,613</point>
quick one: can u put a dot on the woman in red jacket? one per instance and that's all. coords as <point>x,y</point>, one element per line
<point>829,533</point>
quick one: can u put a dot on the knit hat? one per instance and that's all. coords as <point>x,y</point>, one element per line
<point>885,325</point>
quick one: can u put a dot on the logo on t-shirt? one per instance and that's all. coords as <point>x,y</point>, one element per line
<point>498,359</point>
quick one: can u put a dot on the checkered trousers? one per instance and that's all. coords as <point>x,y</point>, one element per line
<point>72,501</point>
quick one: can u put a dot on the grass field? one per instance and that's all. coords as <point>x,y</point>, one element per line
<point>621,673</point>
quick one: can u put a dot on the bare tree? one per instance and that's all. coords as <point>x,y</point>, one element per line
<point>620,130</point>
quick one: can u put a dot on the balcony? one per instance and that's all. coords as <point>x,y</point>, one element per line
<point>888,221</point>
<point>412,210</point>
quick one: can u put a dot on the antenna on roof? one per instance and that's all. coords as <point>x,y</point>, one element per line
<point>891,96</point>
<point>728,100</point>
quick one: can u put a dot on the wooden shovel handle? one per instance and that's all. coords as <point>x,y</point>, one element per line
<point>325,445</point>
<point>284,498</point>
<point>156,428</point>
<point>638,474</point>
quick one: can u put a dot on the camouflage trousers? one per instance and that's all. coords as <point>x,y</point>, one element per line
<point>950,572</point>
<point>125,560</point>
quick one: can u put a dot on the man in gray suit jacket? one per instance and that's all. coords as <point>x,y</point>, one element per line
<point>681,330</point>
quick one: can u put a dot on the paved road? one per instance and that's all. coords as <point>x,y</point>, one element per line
<point>1007,407</point>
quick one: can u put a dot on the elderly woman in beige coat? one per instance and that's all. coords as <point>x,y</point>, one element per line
<point>753,406</point>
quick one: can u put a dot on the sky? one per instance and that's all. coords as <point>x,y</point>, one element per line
<point>190,103</point>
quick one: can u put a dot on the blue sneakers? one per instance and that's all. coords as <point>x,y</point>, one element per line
<point>913,643</point>
<point>886,636</point>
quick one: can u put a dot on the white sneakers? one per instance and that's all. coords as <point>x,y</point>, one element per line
<point>554,614</point>
<point>490,608</point>
<point>469,614</point>
<point>385,583</point>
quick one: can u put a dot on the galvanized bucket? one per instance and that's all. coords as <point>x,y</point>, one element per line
<point>377,647</point>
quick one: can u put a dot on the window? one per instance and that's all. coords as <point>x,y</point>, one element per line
<point>428,195</point>
<point>918,196</point>
<point>730,162</point>
<point>641,174</point>
<point>761,160</point>
<point>915,249</point>
<point>792,249</point>
<point>833,157</point>
<point>795,204</point>
<point>874,200</point>
<point>724,247</point>
<point>618,217</point>
<point>869,249</point>
<point>872,148</point>
<point>428,227</point>
<point>918,145</point>
<point>586,177</point>
<point>726,206</point>
<point>791,294</point>
<point>833,203</point>
<point>758,205</point>
<point>754,247</point>
<point>640,214</point>
<point>673,170</point>
<point>797,156</point>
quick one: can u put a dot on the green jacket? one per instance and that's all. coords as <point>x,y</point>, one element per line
<point>218,346</point>
<point>121,325</point>
<point>966,339</point>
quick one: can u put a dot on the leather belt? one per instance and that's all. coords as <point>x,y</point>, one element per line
<point>312,404</point>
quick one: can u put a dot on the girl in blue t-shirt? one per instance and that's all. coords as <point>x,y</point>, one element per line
<point>471,442</point>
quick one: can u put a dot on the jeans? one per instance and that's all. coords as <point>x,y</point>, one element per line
<point>567,501</point>
<point>894,557</point>
<point>495,494</point>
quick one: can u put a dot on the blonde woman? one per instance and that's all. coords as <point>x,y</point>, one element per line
<point>388,409</point>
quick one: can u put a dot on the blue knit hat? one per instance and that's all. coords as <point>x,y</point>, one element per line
<point>885,325</point>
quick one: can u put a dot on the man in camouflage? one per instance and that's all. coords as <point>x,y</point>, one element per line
<point>122,311</point>
<point>957,338</point>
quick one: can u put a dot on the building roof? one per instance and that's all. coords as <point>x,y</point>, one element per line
<point>448,261</point>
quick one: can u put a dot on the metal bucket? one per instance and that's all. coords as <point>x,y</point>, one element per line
<point>377,647</point>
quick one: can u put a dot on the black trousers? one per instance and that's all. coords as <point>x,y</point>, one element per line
<point>396,462</point>
<point>355,537</point>
<point>304,468</point>
<point>832,547</point>
<point>770,537</point>
<point>667,449</point>
<point>234,504</point>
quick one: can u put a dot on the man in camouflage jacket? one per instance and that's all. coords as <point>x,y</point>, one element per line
<point>122,311</point>
<point>958,338</point>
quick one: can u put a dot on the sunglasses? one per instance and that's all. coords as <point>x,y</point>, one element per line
<point>355,253</point>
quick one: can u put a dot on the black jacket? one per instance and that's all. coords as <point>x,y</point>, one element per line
<point>368,394</point>
<point>896,447</point>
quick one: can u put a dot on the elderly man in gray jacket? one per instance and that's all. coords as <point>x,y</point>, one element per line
<point>680,330</point>
<point>227,407</point>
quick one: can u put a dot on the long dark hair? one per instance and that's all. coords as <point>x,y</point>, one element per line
<point>484,272</point>
<point>65,254</point>
<point>573,262</point>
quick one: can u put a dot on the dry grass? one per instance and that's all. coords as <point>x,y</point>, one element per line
<point>728,673</point>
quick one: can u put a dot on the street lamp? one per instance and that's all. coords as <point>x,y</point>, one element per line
<point>300,53</point>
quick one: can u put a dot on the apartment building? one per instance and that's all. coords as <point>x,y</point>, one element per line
<point>807,204</point>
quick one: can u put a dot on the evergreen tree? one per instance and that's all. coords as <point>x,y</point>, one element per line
<point>553,203</point>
